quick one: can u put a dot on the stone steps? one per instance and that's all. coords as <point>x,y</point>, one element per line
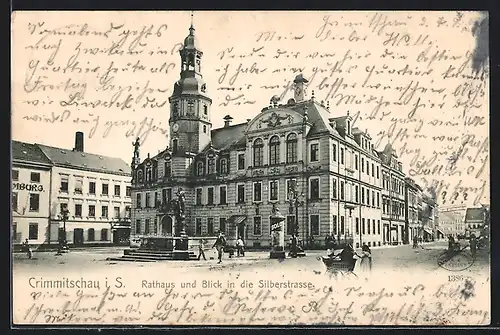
<point>148,256</point>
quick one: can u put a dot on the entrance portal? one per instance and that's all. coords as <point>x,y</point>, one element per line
<point>166,226</point>
<point>77,236</point>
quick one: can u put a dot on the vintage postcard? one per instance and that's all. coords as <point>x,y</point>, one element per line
<point>250,168</point>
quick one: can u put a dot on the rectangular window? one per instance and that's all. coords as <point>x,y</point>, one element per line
<point>210,196</point>
<point>314,224</point>
<point>222,225</point>
<point>104,211</point>
<point>356,162</point>
<point>335,224</point>
<point>342,225</point>
<point>334,188</point>
<point>199,194</point>
<point>210,226</point>
<point>314,152</point>
<point>92,187</point>
<point>257,191</point>
<point>157,199</point>
<point>14,201</point>
<point>222,195</point>
<point>257,226</point>
<point>116,212</point>
<point>78,210</point>
<point>198,227</point>
<point>362,164</point>
<point>290,224</point>
<point>368,197</point>
<point>342,190</point>
<point>378,226</point>
<point>378,176</point>
<point>146,226</point>
<point>378,200</point>
<point>273,190</point>
<point>64,185</point>
<point>35,177</point>
<point>373,170</point>
<point>367,167</point>
<point>15,175</point>
<point>91,211</point>
<point>169,194</point>
<point>79,186</point>
<point>357,226</point>
<point>127,211</point>
<point>314,188</point>
<point>373,198</point>
<point>341,155</point>
<point>373,222</point>
<point>33,231</point>
<point>241,161</point>
<point>290,188</point>
<point>148,199</point>
<point>128,191</point>
<point>105,189</point>
<point>334,152</point>
<point>139,201</point>
<point>356,195</point>
<point>363,226</point>
<point>34,202</point>
<point>91,235</point>
<point>362,195</point>
<point>138,226</point>
<point>104,234</point>
<point>368,225</point>
<point>241,194</point>
<point>117,190</point>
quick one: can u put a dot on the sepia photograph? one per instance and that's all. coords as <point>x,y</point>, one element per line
<point>250,168</point>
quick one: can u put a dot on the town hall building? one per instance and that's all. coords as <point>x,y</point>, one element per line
<point>298,157</point>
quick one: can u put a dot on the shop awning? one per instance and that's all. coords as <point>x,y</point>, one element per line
<point>440,231</point>
<point>237,219</point>
<point>428,230</point>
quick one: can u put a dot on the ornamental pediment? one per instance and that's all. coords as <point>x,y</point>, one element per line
<point>274,118</point>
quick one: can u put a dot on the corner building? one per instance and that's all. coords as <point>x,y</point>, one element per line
<point>234,176</point>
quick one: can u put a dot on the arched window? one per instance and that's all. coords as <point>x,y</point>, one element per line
<point>211,165</point>
<point>274,150</point>
<point>168,168</point>
<point>291,148</point>
<point>140,176</point>
<point>148,174</point>
<point>223,166</point>
<point>199,169</point>
<point>258,152</point>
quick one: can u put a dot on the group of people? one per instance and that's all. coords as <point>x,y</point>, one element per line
<point>348,256</point>
<point>221,245</point>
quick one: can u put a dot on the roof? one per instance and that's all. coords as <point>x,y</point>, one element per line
<point>474,214</point>
<point>85,161</point>
<point>226,137</point>
<point>27,152</point>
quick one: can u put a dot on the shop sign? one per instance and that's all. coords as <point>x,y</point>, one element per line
<point>27,187</point>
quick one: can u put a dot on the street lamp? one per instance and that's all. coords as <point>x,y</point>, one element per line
<point>63,243</point>
<point>296,200</point>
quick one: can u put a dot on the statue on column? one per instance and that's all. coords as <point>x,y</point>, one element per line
<point>180,220</point>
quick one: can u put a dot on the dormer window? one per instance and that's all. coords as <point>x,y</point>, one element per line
<point>211,165</point>
<point>168,168</point>
<point>224,166</point>
<point>199,169</point>
<point>348,127</point>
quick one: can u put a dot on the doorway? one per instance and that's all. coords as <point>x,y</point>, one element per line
<point>166,226</point>
<point>241,231</point>
<point>78,236</point>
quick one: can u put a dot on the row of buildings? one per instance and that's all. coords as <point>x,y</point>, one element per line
<point>54,189</point>
<point>463,221</point>
<point>300,158</point>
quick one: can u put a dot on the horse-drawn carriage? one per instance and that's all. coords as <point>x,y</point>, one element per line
<point>335,267</point>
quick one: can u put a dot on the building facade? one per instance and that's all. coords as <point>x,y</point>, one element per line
<point>95,190</point>
<point>475,221</point>
<point>31,179</point>
<point>393,198</point>
<point>297,157</point>
<point>413,192</point>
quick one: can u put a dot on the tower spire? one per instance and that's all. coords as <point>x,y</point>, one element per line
<point>192,25</point>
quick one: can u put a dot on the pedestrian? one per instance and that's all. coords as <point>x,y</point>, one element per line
<point>240,247</point>
<point>328,242</point>
<point>201,246</point>
<point>27,248</point>
<point>366,258</point>
<point>473,245</point>
<point>415,242</point>
<point>334,242</point>
<point>293,247</point>
<point>219,244</point>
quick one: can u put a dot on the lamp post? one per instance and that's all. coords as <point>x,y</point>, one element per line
<point>296,200</point>
<point>63,243</point>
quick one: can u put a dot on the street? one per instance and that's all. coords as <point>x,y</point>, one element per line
<point>399,258</point>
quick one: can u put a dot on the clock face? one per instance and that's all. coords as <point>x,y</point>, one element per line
<point>175,127</point>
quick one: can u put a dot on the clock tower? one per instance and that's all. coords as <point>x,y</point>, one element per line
<point>190,122</point>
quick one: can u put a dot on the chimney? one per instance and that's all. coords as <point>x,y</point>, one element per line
<point>78,141</point>
<point>227,120</point>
